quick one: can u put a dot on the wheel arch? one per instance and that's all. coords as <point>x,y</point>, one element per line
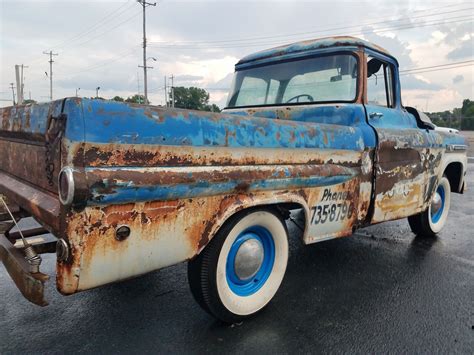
<point>280,205</point>
<point>454,172</point>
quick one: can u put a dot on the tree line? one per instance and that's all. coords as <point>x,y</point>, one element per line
<point>459,118</point>
<point>191,98</point>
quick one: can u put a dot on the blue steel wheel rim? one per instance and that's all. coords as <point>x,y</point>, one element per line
<point>247,287</point>
<point>437,216</point>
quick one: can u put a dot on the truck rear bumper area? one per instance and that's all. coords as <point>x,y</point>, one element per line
<point>41,205</point>
<point>31,285</point>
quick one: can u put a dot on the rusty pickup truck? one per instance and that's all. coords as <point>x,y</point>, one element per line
<point>316,127</point>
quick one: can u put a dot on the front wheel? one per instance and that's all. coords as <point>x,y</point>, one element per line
<point>242,267</point>
<point>431,221</point>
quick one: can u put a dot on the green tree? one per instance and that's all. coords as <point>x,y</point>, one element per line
<point>193,98</point>
<point>28,101</point>
<point>467,112</point>
<point>136,99</point>
<point>213,108</point>
<point>460,117</point>
<point>118,98</point>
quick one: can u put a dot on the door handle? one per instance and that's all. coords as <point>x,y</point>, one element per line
<point>375,114</point>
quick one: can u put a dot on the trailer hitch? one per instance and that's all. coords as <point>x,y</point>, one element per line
<point>23,264</point>
<point>30,284</point>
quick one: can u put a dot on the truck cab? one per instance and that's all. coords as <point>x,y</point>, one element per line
<point>350,82</point>
<point>316,127</point>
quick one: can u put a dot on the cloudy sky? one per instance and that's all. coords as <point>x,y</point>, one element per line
<point>99,43</point>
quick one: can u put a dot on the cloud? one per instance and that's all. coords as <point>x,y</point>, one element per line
<point>199,41</point>
<point>189,77</point>
<point>432,100</point>
<point>393,44</point>
<point>458,79</point>
<point>463,51</point>
<point>411,82</point>
<point>456,32</point>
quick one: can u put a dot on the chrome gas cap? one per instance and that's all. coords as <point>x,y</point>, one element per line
<point>248,259</point>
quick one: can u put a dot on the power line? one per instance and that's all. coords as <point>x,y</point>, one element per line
<point>123,55</point>
<point>398,28</point>
<point>439,69</point>
<point>67,43</point>
<point>438,66</point>
<point>119,57</point>
<point>103,21</point>
<point>107,31</point>
<point>313,31</point>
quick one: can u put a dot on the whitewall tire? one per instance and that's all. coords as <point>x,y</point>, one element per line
<point>243,266</point>
<point>432,221</point>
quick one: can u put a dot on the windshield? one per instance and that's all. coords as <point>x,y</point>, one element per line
<point>320,79</point>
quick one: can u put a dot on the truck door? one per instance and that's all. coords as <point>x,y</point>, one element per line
<point>399,182</point>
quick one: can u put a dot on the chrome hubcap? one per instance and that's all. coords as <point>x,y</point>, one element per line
<point>436,203</point>
<point>248,259</point>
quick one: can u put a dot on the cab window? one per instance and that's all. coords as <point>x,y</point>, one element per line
<point>379,83</point>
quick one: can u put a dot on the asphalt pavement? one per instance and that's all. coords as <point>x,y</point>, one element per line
<point>381,290</point>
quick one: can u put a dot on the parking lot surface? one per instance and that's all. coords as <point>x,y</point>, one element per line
<point>381,290</point>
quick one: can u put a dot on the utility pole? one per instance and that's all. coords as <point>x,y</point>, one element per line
<point>166,93</point>
<point>23,83</point>
<point>145,84</point>
<point>13,92</point>
<point>138,86</point>
<point>50,53</point>
<point>172,90</point>
<point>20,83</point>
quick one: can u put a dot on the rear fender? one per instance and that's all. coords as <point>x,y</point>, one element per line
<point>249,201</point>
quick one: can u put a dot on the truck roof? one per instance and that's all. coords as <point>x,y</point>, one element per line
<point>311,45</point>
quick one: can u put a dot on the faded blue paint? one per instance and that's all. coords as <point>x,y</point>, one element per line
<point>391,118</point>
<point>306,48</point>
<point>452,138</point>
<point>436,216</point>
<point>352,115</point>
<point>114,122</point>
<point>247,287</point>
<point>32,118</point>
<point>75,127</point>
<point>127,191</point>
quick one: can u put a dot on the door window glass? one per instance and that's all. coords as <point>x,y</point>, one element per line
<point>379,83</point>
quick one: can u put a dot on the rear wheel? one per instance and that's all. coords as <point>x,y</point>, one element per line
<point>431,221</point>
<point>241,269</point>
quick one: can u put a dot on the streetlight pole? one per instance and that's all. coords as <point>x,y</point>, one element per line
<point>145,82</point>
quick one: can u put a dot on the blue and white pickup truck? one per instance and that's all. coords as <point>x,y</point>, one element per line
<point>315,126</point>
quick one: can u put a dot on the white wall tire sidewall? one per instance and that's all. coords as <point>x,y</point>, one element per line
<point>246,305</point>
<point>438,226</point>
